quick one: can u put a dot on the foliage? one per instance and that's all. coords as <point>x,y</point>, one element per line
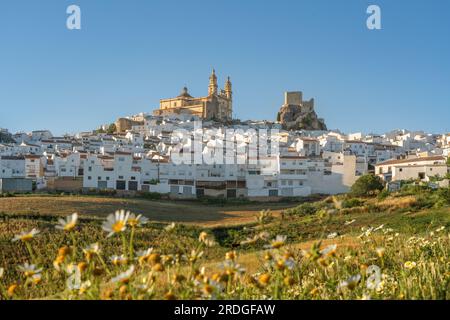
<point>179,262</point>
<point>367,185</point>
<point>112,128</point>
<point>352,203</point>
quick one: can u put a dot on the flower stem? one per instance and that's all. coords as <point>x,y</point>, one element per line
<point>131,243</point>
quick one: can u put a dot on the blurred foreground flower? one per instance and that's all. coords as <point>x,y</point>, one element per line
<point>67,224</point>
<point>26,236</point>
<point>116,223</point>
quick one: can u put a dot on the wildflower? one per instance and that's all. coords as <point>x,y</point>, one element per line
<point>154,258</point>
<point>231,268</point>
<point>67,224</point>
<point>158,267</point>
<point>314,291</point>
<point>206,239</point>
<point>440,229</point>
<point>2,272</point>
<point>178,278</point>
<point>136,221</point>
<point>347,258</point>
<point>363,267</point>
<point>124,277</point>
<point>351,282</point>
<point>378,228</point>
<point>143,255</point>
<point>264,279</point>
<point>170,227</point>
<point>410,265</point>
<point>284,263</point>
<point>262,235</point>
<point>347,223</point>
<point>231,255</point>
<point>91,250</point>
<point>208,290</point>
<point>329,251</point>
<point>203,235</point>
<point>380,252</point>
<point>195,255</point>
<point>288,281</point>
<point>170,296</point>
<point>63,251</point>
<point>29,270</point>
<point>58,262</point>
<point>268,256</point>
<point>26,236</point>
<point>82,266</point>
<point>332,235</point>
<point>12,290</point>
<point>84,287</point>
<point>119,260</point>
<point>116,223</point>
<point>278,242</point>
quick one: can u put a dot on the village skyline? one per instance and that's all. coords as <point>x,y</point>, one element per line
<point>123,62</point>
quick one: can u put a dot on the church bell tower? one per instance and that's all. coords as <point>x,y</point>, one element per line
<point>212,88</point>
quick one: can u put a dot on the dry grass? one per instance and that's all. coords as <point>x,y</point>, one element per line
<point>162,211</point>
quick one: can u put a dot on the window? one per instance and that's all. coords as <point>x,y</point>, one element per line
<point>89,178</point>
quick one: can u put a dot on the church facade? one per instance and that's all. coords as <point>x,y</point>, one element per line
<point>215,106</point>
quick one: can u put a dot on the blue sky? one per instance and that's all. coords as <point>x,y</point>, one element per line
<point>129,54</point>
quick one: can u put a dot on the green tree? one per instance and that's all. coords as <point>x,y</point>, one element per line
<point>367,185</point>
<point>112,128</point>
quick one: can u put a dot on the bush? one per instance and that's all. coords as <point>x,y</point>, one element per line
<point>352,203</point>
<point>383,194</point>
<point>367,185</point>
<point>304,209</point>
<point>151,195</point>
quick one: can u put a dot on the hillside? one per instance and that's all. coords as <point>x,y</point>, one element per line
<point>319,250</point>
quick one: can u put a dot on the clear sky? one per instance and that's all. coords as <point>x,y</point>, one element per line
<point>131,53</point>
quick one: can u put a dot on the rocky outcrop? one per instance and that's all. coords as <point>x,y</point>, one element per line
<point>296,114</point>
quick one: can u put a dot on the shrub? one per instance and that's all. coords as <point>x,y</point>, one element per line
<point>306,209</point>
<point>151,195</point>
<point>352,203</point>
<point>383,194</point>
<point>367,185</point>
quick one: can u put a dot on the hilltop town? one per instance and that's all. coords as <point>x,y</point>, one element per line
<point>134,155</point>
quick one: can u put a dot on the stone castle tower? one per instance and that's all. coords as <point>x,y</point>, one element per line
<point>215,106</point>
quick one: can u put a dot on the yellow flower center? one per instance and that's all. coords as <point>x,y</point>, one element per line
<point>69,226</point>
<point>26,237</point>
<point>133,222</point>
<point>118,226</point>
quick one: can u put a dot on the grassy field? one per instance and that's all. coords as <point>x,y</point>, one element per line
<point>189,212</point>
<point>395,247</point>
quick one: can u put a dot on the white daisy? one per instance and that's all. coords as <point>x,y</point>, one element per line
<point>29,270</point>
<point>124,277</point>
<point>116,223</point>
<point>136,221</point>
<point>26,236</point>
<point>351,282</point>
<point>67,224</point>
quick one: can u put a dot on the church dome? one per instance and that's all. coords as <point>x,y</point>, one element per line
<point>184,93</point>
